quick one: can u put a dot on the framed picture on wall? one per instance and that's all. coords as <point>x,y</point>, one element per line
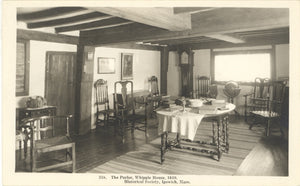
<point>106,65</point>
<point>127,66</point>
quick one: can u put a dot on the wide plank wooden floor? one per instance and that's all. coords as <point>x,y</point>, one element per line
<point>100,146</point>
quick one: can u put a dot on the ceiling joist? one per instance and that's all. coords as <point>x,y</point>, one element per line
<point>158,17</point>
<point>221,21</point>
<point>192,10</point>
<point>226,38</point>
<point>48,13</point>
<point>93,24</point>
<point>68,20</point>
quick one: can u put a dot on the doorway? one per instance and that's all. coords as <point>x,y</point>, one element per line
<point>60,83</point>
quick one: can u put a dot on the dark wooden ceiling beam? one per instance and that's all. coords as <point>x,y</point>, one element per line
<point>67,20</point>
<point>182,41</point>
<point>227,38</point>
<point>263,32</point>
<point>180,10</point>
<point>136,46</point>
<point>162,17</point>
<point>284,39</point>
<point>228,20</point>
<point>42,36</point>
<point>48,13</point>
<point>104,22</point>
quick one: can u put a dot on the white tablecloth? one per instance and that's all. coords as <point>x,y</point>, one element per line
<point>184,123</point>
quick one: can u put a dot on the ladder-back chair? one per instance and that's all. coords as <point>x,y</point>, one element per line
<point>102,103</point>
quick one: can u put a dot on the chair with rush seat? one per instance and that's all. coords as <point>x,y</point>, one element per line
<point>259,96</point>
<point>269,109</point>
<point>102,103</point>
<point>49,136</point>
<point>126,106</point>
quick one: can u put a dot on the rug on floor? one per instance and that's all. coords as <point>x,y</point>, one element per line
<point>146,159</point>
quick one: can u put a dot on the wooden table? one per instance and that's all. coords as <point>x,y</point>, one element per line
<point>23,113</point>
<point>181,121</point>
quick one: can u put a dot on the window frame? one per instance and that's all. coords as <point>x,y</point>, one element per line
<point>26,67</point>
<point>250,51</point>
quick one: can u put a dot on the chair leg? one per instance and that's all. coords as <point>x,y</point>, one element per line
<point>106,120</point>
<point>251,125</point>
<point>33,161</point>
<point>123,131</point>
<point>20,149</point>
<point>133,127</point>
<point>116,124</point>
<point>146,131</point>
<point>68,154</point>
<point>73,158</point>
<point>268,127</point>
<point>214,132</point>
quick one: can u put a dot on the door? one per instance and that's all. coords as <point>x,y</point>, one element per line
<point>60,83</point>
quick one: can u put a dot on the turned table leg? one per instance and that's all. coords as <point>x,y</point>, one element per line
<point>163,147</point>
<point>218,139</point>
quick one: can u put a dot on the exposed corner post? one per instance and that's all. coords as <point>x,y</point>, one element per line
<point>83,88</point>
<point>164,63</point>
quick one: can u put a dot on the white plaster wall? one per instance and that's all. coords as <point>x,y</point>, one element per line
<point>37,59</point>
<point>145,64</point>
<point>201,64</point>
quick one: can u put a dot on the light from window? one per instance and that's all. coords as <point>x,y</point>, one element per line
<point>242,67</point>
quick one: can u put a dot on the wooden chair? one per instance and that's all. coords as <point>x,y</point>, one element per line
<point>125,110</point>
<point>269,109</point>
<point>102,103</point>
<point>205,88</point>
<point>154,93</point>
<point>21,138</point>
<point>257,98</point>
<point>48,137</point>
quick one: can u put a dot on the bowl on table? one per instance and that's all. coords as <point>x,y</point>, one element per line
<point>195,102</point>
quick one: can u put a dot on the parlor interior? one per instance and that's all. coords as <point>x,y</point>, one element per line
<point>76,39</point>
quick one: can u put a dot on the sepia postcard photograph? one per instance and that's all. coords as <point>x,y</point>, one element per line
<point>150,93</point>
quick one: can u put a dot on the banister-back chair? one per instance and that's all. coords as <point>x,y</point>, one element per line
<point>268,109</point>
<point>205,88</point>
<point>125,110</point>
<point>102,102</point>
<point>45,138</point>
<point>154,93</point>
<point>257,98</point>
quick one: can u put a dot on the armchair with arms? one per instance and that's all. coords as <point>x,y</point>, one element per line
<point>259,96</point>
<point>49,134</point>
<point>268,110</point>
